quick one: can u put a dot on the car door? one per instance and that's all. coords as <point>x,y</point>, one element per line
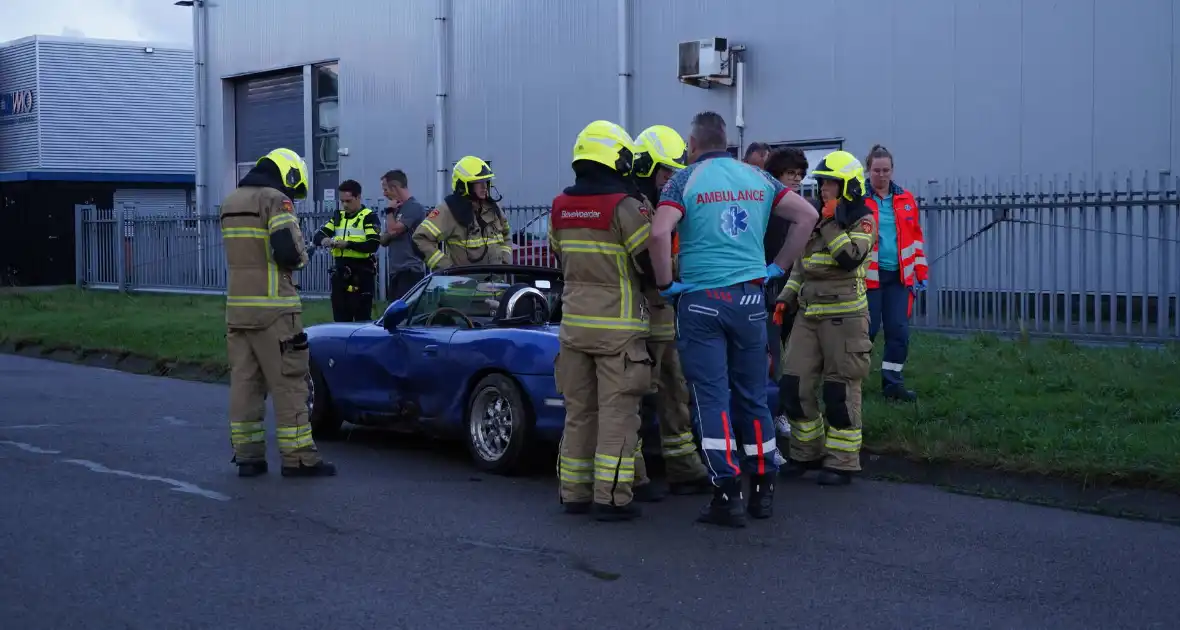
<point>423,375</point>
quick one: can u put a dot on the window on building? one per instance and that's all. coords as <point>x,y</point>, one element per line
<point>325,123</point>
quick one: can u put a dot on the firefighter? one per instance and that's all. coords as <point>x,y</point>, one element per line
<point>268,353</point>
<point>829,346</point>
<point>354,236</point>
<point>469,222</point>
<point>603,369</point>
<point>662,152</point>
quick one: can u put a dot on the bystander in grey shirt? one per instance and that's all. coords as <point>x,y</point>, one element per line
<point>401,248</point>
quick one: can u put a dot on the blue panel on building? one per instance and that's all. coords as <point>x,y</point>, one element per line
<point>75,176</point>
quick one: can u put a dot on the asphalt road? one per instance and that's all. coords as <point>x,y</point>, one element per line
<point>120,509</point>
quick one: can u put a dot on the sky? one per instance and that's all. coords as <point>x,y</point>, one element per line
<point>158,21</point>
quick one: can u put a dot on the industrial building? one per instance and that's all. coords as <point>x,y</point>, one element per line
<point>957,89</point>
<point>88,122</point>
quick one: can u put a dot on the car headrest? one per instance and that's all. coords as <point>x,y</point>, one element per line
<point>521,305</point>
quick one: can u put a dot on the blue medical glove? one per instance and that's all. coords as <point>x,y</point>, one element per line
<point>919,286</point>
<point>675,289</point>
<point>774,271</point>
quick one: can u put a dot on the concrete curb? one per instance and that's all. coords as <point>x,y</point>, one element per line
<point>1104,499</point>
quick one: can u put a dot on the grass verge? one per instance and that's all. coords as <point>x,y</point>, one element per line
<point>1104,415</point>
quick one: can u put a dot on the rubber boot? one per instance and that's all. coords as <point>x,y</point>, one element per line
<point>612,513</point>
<point>795,468</point>
<point>576,507</point>
<point>727,508</point>
<point>319,469</point>
<point>696,486</point>
<point>829,477</point>
<point>761,503</point>
<point>252,469</point>
<point>648,493</point>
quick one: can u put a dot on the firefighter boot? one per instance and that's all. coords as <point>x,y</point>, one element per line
<point>576,507</point>
<point>252,469</point>
<point>319,469</point>
<point>649,492</point>
<point>761,503</point>
<point>727,508</point>
<point>795,468</point>
<point>610,513</point>
<point>829,477</point>
<point>696,486</point>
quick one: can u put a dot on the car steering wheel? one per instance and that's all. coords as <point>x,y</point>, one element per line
<point>447,309</point>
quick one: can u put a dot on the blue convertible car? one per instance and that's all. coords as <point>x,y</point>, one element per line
<point>468,352</point>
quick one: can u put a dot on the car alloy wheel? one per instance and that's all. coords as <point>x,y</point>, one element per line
<point>491,424</point>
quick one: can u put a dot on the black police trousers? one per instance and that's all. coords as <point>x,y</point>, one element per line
<point>352,293</point>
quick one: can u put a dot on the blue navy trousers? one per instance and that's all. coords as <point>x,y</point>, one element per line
<point>721,335</point>
<point>889,308</point>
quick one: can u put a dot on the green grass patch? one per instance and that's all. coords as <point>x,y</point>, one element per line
<point>1098,414</point>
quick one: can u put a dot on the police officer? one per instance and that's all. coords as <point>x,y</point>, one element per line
<point>830,340</point>
<point>468,221</point>
<point>268,353</point>
<point>662,152</point>
<point>354,236</point>
<point>722,207</point>
<point>603,368</point>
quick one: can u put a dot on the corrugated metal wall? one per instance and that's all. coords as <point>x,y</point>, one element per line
<point>18,134</point>
<point>956,88</point>
<point>108,107</point>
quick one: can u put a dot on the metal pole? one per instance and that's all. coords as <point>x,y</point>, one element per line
<point>79,246</point>
<point>624,34</point>
<point>120,233</point>
<point>440,100</point>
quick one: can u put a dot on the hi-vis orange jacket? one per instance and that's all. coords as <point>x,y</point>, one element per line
<point>911,245</point>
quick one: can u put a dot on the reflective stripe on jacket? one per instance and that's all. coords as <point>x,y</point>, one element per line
<point>597,238</point>
<point>258,289</point>
<point>911,245</point>
<point>355,230</point>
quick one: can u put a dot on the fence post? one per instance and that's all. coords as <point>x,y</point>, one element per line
<point>79,245</point>
<point>120,237</point>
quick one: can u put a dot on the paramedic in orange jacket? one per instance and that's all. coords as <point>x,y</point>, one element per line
<point>897,269</point>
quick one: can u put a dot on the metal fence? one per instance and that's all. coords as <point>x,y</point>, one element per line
<point>1096,258</point>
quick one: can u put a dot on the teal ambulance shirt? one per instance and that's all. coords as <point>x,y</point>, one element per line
<point>726,205</point>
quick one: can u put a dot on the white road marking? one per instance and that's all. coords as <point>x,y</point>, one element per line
<point>28,426</point>
<point>30,448</point>
<point>177,485</point>
<point>176,422</point>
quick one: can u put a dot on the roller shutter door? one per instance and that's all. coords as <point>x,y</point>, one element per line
<point>268,112</point>
<point>154,201</point>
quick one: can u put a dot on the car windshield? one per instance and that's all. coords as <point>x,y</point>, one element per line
<point>476,295</point>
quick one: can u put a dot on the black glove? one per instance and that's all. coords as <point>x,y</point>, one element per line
<point>849,212</point>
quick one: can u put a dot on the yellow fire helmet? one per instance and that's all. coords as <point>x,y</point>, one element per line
<point>660,145</point>
<point>843,167</point>
<point>292,169</point>
<point>467,171</point>
<point>606,143</point>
